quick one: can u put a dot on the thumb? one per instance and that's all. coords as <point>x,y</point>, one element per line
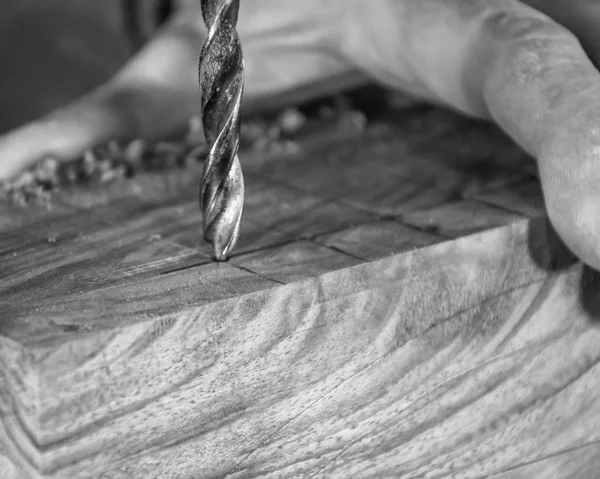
<point>63,134</point>
<point>113,112</point>
<point>289,57</point>
<point>153,95</point>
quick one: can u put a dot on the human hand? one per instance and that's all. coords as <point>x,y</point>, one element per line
<point>286,46</point>
<point>501,60</point>
<point>508,62</point>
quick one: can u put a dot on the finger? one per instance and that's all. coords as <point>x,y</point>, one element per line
<point>288,58</point>
<point>508,62</point>
<point>62,134</point>
<point>289,52</point>
<point>151,96</point>
<point>582,17</point>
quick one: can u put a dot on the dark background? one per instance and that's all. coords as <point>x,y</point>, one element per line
<point>52,51</point>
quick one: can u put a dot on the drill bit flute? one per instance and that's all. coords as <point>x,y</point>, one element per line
<point>221,76</point>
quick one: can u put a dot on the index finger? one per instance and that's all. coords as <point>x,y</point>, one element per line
<point>505,61</point>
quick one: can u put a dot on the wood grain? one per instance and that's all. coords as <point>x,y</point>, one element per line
<point>460,218</point>
<point>406,317</point>
<point>524,198</point>
<point>579,463</point>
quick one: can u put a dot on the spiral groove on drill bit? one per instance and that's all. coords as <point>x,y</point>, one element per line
<point>221,75</point>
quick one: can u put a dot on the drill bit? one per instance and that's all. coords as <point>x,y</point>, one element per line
<point>221,75</point>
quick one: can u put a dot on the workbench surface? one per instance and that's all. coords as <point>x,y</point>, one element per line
<point>398,306</point>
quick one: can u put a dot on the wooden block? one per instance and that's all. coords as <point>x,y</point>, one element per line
<point>418,121</point>
<point>371,241</point>
<point>477,144</point>
<point>524,198</point>
<point>380,187</point>
<point>81,253</point>
<point>580,462</point>
<point>153,187</point>
<point>295,261</point>
<point>396,197</point>
<point>253,236</point>
<point>456,357</point>
<point>14,216</point>
<point>391,174</point>
<point>485,157</point>
<point>461,218</point>
<point>387,128</point>
<point>299,214</point>
<point>334,343</point>
<point>275,214</point>
<point>108,307</point>
<point>353,168</point>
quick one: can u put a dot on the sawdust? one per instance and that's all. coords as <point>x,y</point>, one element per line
<point>114,161</point>
<point>117,161</point>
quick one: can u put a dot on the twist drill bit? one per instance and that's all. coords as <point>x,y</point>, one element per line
<point>221,75</point>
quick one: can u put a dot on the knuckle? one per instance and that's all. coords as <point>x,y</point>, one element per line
<point>527,42</point>
<point>506,23</point>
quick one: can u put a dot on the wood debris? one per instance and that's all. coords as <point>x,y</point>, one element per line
<point>116,161</point>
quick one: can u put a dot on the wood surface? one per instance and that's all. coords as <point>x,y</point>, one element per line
<point>398,307</point>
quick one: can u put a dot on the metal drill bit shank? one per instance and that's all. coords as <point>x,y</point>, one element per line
<point>221,75</point>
